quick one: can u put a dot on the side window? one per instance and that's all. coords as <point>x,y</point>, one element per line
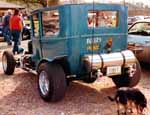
<point>102,18</point>
<point>35,25</point>
<point>50,20</point>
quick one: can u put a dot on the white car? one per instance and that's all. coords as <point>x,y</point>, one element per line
<point>139,40</point>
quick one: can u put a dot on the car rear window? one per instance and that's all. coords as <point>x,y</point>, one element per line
<point>102,18</point>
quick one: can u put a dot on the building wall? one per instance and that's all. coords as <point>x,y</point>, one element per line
<point>139,12</point>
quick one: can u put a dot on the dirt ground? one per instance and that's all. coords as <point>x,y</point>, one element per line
<point>19,95</point>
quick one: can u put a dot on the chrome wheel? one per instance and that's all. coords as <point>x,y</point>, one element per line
<point>51,82</point>
<point>44,83</point>
<point>4,62</point>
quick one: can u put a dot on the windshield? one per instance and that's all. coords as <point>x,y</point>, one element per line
<point>140,28</point>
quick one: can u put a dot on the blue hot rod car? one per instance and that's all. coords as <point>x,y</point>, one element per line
<point>77,42</point>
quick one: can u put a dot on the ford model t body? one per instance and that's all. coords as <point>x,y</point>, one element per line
<point>77,42</point>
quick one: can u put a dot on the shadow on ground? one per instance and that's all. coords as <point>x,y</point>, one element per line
<point>79,96</point>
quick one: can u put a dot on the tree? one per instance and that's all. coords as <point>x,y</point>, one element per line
<point>44,3</point>
<point>53,2</point>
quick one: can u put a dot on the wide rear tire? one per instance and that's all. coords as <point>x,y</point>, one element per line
<point>125,81</point>
<point>51,82</point>
<point>89,76</point>
<point>8,62</point>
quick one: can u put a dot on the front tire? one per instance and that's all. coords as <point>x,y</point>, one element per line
<point>125,80</point>
<point>51,82</point>
<point>8,62</point>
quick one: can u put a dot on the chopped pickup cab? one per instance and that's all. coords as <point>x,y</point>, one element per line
<point>77,42</point>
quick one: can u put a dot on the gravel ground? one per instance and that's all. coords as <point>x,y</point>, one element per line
<point>19,96</point>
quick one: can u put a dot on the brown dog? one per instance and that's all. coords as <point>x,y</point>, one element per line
<point>127,97</point>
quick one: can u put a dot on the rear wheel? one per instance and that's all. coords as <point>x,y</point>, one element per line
<point>89,76</point>
<point>8,62</point>
<point>125,80</point>
<point>51,82</point>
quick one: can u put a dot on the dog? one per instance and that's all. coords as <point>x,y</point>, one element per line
<point>129,98</point>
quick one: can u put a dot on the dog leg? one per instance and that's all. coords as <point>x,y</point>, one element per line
<point>118,107</point>
<point>123,113</point>
<point>137,110</point>
<point>130,107</point>
<point>125,109</point>
<point>118,113</point>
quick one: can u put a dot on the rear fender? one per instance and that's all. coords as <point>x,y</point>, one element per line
<point>43,61</point>
<point>58,60</point>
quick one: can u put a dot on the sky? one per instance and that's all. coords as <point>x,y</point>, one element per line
<point>133,0</point>
<point>145,2</point>
<point>122,0</point>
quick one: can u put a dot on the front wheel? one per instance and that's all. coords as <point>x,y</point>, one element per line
<point>51,82</point>
<point>125,80</point>
<point>8,62</point>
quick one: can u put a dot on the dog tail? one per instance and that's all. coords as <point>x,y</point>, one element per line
<point>110,98</point>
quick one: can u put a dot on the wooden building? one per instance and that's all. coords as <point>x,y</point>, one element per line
<point>4,6</point>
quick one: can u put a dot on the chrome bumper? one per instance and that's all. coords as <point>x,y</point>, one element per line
<point>98,61</point>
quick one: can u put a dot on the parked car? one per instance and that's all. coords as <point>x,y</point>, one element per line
<point>64,49</point>
<point>26,33</point>
<point>133,19</point>
<point>139,40</point>
<point>146,17</point>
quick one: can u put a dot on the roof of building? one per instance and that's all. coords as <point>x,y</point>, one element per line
<point>6,5</point>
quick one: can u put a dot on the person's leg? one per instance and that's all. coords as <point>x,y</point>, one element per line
<point>9,41</point>
<point>15,39</point>
<point>7,35</point>
<point>20,50</point>
<point>16,36</point>
<point>4,34</point>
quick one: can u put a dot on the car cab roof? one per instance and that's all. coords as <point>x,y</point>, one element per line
<point>65,5</point>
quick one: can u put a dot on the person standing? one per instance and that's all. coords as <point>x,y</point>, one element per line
<point>16,28</point>
<point>6,29</point>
